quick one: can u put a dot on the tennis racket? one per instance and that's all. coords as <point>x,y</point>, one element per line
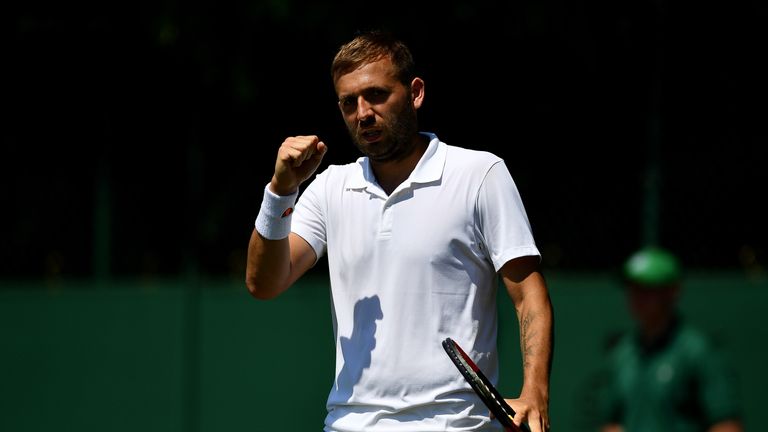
<point>482,386</point>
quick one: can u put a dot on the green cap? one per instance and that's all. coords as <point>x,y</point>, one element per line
<point>652,267</point>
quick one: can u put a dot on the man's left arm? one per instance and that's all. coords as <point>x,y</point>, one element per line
<point>528,290</point>
<point>727,426</point>
<point>719,393</point>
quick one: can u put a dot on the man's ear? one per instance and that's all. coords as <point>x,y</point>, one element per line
<point>417,92</point>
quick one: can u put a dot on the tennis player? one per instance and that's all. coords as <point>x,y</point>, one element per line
<point>418,234</point>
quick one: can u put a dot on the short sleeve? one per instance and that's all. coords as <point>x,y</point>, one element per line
<point>309,216</point>
<point>607,407</point>
<point>718,381</point>
<point>502,219</point>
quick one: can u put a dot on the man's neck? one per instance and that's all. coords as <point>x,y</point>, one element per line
<point>658,334</point>
<point>391,174</point>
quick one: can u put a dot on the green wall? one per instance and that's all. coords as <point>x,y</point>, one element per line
<point>202,355</point>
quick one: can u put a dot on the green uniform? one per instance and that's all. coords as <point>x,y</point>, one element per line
<point>680,384</point>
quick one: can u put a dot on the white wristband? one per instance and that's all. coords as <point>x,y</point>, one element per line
<point>274,219</point>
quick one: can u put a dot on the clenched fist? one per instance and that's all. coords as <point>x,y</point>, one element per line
<point>297,159</point>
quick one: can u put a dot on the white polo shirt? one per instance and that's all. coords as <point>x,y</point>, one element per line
<point>407,271</point>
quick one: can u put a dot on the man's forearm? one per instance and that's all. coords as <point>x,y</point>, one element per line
<point>268,266</point>
<point>536,320</point>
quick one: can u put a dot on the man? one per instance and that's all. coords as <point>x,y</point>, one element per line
<point>665,376</point>
<point>416,233</point>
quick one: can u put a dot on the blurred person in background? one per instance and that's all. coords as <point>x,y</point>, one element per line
<point>666,375</point>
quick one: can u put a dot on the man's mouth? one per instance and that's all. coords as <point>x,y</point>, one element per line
<point>371,135</point>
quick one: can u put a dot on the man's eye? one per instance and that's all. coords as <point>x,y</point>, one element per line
<point>377,96</point>
<point>347,102</point>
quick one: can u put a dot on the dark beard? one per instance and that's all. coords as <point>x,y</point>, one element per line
<point>398,140</point>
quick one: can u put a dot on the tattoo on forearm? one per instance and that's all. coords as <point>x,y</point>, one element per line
<point>527,335</point>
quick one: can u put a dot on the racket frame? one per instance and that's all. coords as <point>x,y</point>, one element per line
<point>482,385</point>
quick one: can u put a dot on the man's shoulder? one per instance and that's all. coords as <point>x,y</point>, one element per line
<point>463,151</point>
<point>342,168</point>
<point>471,152</point>
<point>466,156</point>
<point>696,340</point>
<point>336,171</point>
<point>621,343</point>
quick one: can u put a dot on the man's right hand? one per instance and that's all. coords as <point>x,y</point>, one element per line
<point>297,159</point>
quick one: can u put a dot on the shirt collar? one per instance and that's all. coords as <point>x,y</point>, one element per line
<point>663,340</point>
<point>429,168</point>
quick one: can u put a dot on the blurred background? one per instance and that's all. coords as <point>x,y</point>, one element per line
<point>137,139</point>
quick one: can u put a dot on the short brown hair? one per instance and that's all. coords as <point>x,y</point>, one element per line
<point>371,46</point>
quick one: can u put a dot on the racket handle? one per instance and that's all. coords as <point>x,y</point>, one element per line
<point>522,428</point>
